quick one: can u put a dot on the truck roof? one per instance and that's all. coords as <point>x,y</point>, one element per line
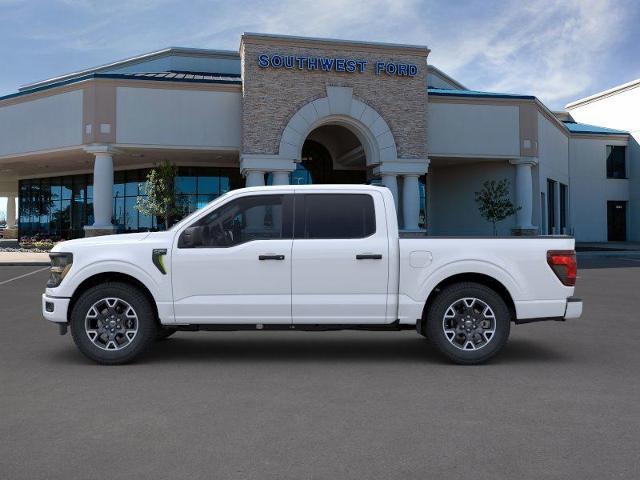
<point>313,187</point>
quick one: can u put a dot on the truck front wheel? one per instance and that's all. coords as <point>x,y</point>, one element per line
<point>113,323</point>
<point>468,322</point>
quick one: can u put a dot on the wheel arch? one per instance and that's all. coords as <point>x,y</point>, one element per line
<point>480,278</point>
<point>105,277</point>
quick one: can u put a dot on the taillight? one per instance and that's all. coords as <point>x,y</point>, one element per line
<point>563,263</point>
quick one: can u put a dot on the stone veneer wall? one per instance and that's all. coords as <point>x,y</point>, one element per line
<point>271,96</point>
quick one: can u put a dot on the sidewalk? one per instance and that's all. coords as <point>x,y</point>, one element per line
<point>23,259</point>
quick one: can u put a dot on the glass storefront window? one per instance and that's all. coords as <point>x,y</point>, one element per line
<point>130,214</point>
<point>67,188</point>
<point>131,185</point>
<point>210,185</point>
<point>55,188</point>
<point>90,186</point>
<point>186,184</point>
<point>60,207</point>
<point>118,212</point>
<point>422,221</point>
<point>118,184</point>
<point>225,185</point>
<point>203,200</point>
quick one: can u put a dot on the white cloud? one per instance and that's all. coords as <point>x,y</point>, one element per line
<point>545,48</point>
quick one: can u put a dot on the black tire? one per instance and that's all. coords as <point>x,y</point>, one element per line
<point>147,326</point>
<point>164,333</point>
<point>458,353</point>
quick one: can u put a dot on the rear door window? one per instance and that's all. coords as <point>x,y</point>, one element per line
<point>334,215</point>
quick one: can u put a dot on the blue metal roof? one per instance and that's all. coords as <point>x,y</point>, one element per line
<point>187,77</point>
<point>445,92</point>
<point>177,75</point>
<point>585,128</point>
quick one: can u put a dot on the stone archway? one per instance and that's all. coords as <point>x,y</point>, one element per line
<point>340,108</point>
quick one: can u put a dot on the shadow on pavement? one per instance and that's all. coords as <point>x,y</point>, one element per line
<point>412,350</point>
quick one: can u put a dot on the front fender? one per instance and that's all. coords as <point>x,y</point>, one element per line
<point>71,283</point>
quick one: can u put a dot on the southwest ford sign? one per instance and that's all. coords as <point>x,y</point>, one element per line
<point>335,64</point>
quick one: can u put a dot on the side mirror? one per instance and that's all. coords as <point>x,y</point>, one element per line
<point>190,238</point>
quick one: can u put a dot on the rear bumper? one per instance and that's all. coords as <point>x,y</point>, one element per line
<point>574,308</point>
<point>55,309</point>
<point>540,311</point>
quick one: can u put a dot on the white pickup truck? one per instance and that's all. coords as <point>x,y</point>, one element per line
<point>305,258</point>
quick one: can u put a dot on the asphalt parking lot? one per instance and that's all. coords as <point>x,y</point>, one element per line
<point>562,401</point>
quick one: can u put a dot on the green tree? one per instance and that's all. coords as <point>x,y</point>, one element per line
<point>161,200</point>
<point>494,202</point>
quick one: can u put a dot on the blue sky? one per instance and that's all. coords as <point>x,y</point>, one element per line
<point>556,50</point>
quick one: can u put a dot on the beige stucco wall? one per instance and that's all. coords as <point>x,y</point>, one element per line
<point>178,117</point>
<point>451,197</point>
<point>271,96</point>
<point>54,121</point>
<point>467,129</point>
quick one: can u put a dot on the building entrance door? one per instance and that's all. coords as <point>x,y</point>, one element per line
<point>332,154</point>
<point>317,161</point>
<point>617,221</point>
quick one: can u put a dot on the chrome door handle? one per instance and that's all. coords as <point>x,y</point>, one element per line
<point>271,257</point>
<point>369,256</point>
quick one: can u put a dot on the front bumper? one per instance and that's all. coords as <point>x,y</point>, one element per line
<point>574,308</point>
<point>55,309</point>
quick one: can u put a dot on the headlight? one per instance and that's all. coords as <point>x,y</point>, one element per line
<point>60,266</point>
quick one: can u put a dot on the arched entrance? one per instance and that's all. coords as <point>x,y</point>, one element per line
<point>331,154</point>
<point>340,139</point>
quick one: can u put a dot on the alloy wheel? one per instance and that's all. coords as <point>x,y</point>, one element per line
<point>469,324</point>
<point>111,324</point>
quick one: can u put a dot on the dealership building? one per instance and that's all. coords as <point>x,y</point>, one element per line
<point>75,150</point>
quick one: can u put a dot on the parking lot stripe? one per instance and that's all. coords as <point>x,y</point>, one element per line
<point>25,275</point>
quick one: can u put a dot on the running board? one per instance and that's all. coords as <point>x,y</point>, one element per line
<point>306,327</point>
<point>523,321</point>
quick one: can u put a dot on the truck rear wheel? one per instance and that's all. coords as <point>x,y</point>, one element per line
<point>468,322</point>
<point>113,323</point>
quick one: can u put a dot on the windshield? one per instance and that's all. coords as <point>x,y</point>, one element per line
<point>195,213</point>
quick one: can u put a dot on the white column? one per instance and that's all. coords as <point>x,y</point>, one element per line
<point>410,202</point>
<point>390,180</point>
<point>524,193</point>
<point>11,212</point>
<point>254,178</point>
<point>408,196</point>
<point>102,190</point>
<point>280,178</point>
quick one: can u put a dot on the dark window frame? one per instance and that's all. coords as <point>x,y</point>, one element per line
<point>613,165</point>
<point>551,206</point>
<point>564,205</point>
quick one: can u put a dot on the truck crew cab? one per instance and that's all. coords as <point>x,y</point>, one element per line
<point>324,257</point>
